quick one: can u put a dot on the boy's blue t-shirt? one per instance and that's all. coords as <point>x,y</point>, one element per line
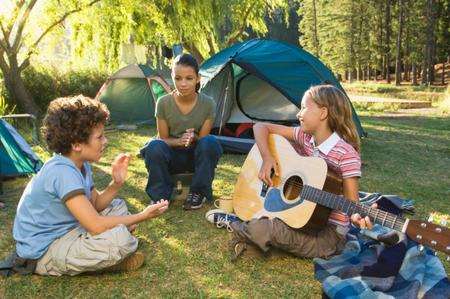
<point>42,215</point>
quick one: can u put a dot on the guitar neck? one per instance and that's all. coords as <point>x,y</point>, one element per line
<point>336,202</point>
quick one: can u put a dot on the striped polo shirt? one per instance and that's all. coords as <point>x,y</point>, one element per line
<point>340,157</point>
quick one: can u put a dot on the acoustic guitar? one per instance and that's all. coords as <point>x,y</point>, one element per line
<point>299,199</point>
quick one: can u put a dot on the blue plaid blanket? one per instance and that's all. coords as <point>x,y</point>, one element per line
<point>369,269</point>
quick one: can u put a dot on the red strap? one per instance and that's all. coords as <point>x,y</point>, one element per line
<point>242,128</point>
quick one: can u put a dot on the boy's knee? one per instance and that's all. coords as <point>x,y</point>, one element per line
<point>123,242</point>
<point>118,207</point>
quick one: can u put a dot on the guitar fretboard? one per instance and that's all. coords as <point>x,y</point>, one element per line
<point>337,202</point>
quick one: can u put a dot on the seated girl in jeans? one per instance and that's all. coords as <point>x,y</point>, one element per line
<point>184,120</point>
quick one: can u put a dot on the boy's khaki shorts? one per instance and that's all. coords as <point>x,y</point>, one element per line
<point>78,251</point>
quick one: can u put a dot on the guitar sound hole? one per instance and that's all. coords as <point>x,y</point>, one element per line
<point>293,187</point>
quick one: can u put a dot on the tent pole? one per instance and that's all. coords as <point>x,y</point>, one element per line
<point>224,104</point>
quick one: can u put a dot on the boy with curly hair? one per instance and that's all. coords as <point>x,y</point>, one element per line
<point>63,223</point>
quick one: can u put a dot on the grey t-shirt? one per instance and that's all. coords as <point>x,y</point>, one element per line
<point>167,109</point>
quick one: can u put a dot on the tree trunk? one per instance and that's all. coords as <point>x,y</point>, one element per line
<point>424,69</point>
<point>195,52</point>
<point>414,74</point>
<point>398,64</point>
<point>19,93</point>
<point>316,38</point>
<point>443,74</point>
<point>388,37</point>
<point>406,57</point>
<point>431,43</point>
<point>405,71</point>
<point>380,42</point>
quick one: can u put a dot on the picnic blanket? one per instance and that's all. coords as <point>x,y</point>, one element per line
<point>369,269</point>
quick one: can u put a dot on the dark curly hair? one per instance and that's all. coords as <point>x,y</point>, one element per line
<point>71,120</point>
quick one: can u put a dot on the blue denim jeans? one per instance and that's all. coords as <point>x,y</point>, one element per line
<point>162,161</point>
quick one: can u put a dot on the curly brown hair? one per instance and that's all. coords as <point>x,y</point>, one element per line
<point>71,120</point>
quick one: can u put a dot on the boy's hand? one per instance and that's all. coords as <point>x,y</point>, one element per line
<point>156,209</point>
<point>119,168</point>
<point>363,223</point>
<point>265,172</point>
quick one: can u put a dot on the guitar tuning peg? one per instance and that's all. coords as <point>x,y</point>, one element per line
<point>421,248</point>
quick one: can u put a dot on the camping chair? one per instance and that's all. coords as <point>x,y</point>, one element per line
<point>181,182</point>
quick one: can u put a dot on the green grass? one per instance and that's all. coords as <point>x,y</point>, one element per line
<point>187,256</point>
<point>435,94</point>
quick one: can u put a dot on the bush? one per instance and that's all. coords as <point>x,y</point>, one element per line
<point>5,107</point>
<point>444,106</point>
<point>46,84</point>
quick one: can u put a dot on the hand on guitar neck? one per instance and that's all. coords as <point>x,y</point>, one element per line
<point>361,222</point>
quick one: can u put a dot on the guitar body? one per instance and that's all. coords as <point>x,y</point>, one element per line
<point>304,193</point>
<point>253,199</point>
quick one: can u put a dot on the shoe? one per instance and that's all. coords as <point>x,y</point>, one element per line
<point>237,248</point>
<point>194,201</point>
<point>221,218</point>
<point>130,263</point>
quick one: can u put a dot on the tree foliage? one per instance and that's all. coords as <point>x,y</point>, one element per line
<point>203,27</point>
<point>95,35</point>
<point>22,29</point>
<point>361,37</point>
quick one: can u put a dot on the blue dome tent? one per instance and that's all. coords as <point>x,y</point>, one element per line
<point>260,80</point>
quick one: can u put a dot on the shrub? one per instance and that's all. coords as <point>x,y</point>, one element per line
<point>5,107</point>
<point>46,84</point>
<point>444,106</point>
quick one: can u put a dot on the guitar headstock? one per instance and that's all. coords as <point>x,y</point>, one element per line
<point>429,234</point>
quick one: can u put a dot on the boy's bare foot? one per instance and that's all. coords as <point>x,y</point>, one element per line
<point>130,263</point>
<point>132,228</point>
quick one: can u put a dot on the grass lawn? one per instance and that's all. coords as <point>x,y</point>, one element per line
<point>188,257</point>
<point>434,94</point>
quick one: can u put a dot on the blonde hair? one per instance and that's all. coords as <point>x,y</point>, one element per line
<point>339,118</point>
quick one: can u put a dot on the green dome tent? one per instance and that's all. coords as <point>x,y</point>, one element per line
<point>131,94</point>
<point>260,80</point>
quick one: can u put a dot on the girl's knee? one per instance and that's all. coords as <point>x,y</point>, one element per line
<point>209,144</point>
<point>155,150</point>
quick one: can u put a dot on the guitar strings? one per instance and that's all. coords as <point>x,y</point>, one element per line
<point>388,217</point>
